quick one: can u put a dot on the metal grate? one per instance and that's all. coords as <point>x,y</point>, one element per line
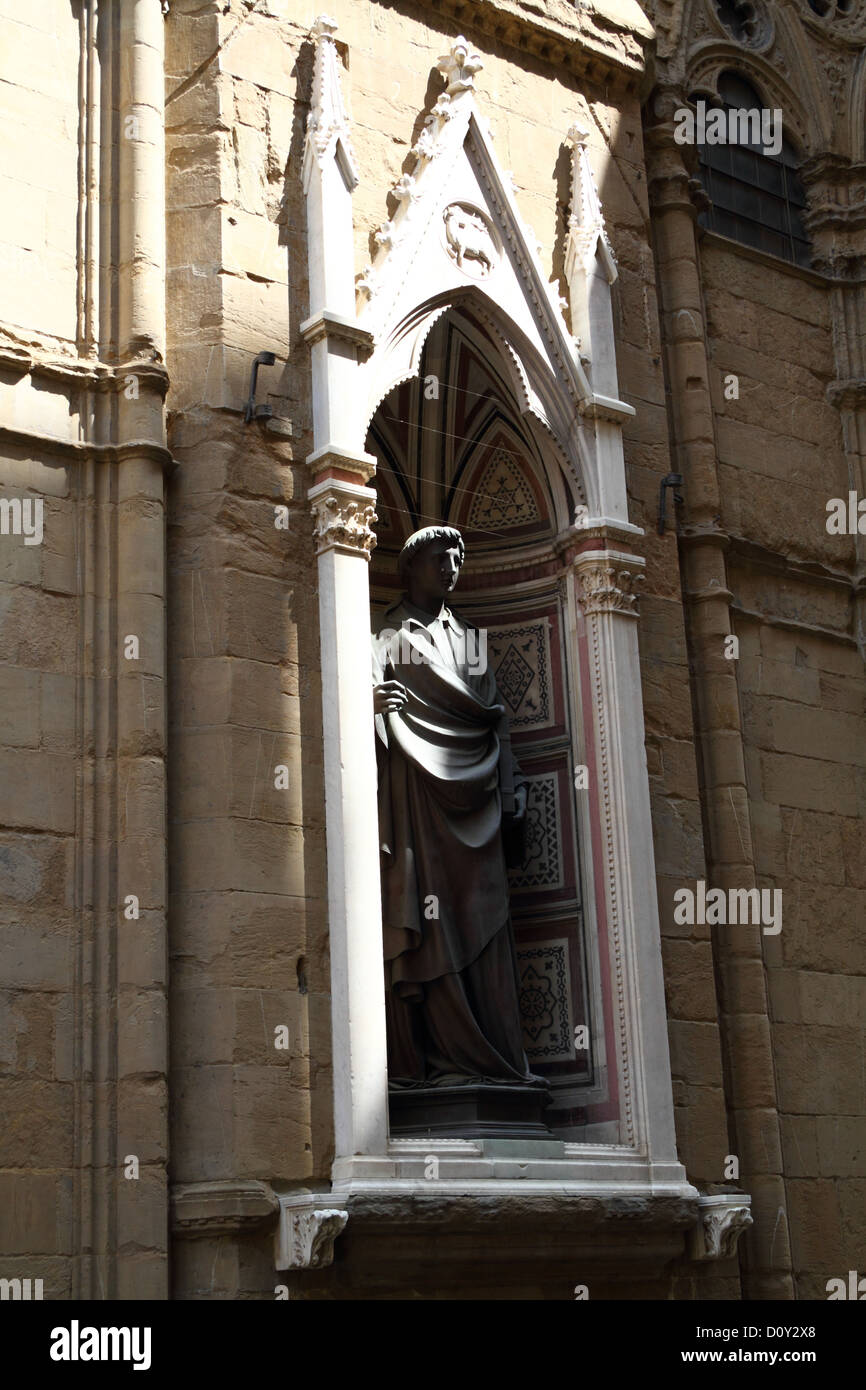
<point>757,198</point>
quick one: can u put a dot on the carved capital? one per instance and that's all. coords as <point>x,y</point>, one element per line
<point>607,581</point>
<point>306,1231</point>
<point>459,66</point>
<point>722,1221</point>
<point>344,514</point>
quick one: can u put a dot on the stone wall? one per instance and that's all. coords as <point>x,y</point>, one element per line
<point>249,945</point>
<point>802,701</point>
<point>39,629</point>
<point>82,776</point>
<point>83,1036</point>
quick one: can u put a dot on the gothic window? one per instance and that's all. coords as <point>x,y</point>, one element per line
<point>826,8</point>
<point>757,197</point>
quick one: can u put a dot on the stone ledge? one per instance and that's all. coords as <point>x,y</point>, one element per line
<point>551,1230</point>
<point>221,1208</point>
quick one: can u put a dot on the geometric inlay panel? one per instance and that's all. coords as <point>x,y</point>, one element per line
<point>545,1001</point>
<point>520,657</point>
<point>542,866</point>
<point>503,497</point>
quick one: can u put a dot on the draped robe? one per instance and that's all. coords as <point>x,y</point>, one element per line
<point>445,773</point>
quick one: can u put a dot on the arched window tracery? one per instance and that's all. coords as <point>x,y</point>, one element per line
<point>757,197</point>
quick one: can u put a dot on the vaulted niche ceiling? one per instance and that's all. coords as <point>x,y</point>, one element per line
<point>452,447</point>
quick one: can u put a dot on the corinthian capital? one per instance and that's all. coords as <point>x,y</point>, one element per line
<point>344,516</point>
<point>607,582</point>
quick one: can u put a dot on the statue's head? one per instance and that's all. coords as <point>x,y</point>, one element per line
<point>429,563</point>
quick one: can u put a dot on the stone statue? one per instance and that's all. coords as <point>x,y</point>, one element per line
<point>448,785</point>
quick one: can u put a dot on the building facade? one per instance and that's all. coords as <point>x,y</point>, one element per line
<point>278,289</point>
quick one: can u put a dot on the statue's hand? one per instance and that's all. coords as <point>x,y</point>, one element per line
<point>389,697</point>
<point>520,796</point>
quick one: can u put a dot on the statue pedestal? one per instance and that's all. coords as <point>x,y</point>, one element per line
<point>476,1111</point>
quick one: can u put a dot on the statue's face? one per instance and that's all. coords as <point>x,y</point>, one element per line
<point>435,569</point>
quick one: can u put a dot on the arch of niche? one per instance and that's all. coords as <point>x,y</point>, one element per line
<point>458,241</point>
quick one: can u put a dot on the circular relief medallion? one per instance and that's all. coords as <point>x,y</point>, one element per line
<point>470,240</point>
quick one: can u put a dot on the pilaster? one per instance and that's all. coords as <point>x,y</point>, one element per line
<point>344,510</point>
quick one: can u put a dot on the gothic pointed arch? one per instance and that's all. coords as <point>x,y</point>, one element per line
<point>458,239</point>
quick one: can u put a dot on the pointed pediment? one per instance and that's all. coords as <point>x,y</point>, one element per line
<point>457,233</point>
<point>587,234</point>
<point>327,131</point>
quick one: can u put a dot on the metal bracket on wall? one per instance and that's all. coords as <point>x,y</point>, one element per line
<point>253,411</point>
<point>670,480</point>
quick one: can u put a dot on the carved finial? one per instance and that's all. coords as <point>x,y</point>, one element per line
<point>404,188</point>
<point>365,283</point>
<point>586,229</point>
<point>459,67</point>
<point>327,124</point>
<point>385,234</point>
<point>324,27</point>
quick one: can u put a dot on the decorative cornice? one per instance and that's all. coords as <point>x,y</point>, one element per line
<point>333,461</point>
<point>308,1226</point>
<point>82,450</point>
<point>221,1208</point>
<point>326,324</point>
<point>600,42</point>
<point>606,408</point>
<point>721,1222</point>
<point>78,374</point>
<point>344,514</point>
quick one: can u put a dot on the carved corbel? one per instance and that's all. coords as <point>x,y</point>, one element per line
<point>722,1219</point>
<point>306,1231</point>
